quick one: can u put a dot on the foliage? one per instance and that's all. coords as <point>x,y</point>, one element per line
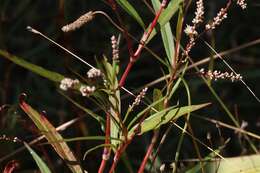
<point>117,123</point>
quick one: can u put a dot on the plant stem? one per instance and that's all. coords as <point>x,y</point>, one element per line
<point>106,151</point>
<point>144,38</point>
<point>124,30</point>
<point>149,151</point>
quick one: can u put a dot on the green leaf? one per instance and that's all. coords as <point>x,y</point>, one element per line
<point>50,133</point>
<point>163,117</point>
<point>243,164</point>
<point>41,164</point>
<point>171,9</point>
<point>131,11</point>
<point>157,95</point>
<point>166,33</point>
<point>166,15</point>
<point>53,76</point>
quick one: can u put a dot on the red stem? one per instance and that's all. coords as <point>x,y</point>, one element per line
<point>149,151</point>
<point>124,145</point>
<point>106,151</point>
<point>127,70</point>
<point>118,154</point>
<point>141,45</point>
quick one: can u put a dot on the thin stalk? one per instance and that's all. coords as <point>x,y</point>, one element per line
<point>144,38</point>
<point>149,151</point>
<point>122,148</point>
<point>106,151</point>
<point>124,30</point>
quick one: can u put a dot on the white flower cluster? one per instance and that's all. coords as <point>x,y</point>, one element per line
<point>79,22</point>
<point>199,13</point>
<point>139,98</point>
<point>115,51</point>
<point>222,14</point>
<point>242,4</point>
<point>190,31</point>
<point>87,90</point>
<point>215,75</point>
<point>94,73</point>
<point>67,83</point>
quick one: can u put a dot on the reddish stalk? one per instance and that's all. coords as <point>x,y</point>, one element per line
<point>124,145</point>
<point>149,151</point>
<point>112,4</point>
<point>118,154</point>
<point>106,151</point>
<point>144,38</point>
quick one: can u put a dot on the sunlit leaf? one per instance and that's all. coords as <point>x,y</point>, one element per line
<point>166,33</point>
<point>243,164</point>
<point>157,95</point>
<point>50,133</point>
<point>163,117</point>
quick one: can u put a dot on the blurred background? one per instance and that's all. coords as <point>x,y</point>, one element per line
<point>93,41</point>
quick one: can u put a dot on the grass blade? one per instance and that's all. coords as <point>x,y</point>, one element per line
<point>166,33</point>
<point>50,133</point>
<point>131,11</point>
<point>41,164</point>
<point>53,76</point>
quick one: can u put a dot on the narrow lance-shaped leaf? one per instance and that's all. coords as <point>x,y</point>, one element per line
<point>166,32</point>
<point>243,164</point>
<point>50,133</point>
<point>53,76</point>
<point>166,15</point>
<point>131,11</point>
<point>163,117</point>
<point>41,164</point>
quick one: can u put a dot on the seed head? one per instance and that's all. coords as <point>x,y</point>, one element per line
<point>85,18</point>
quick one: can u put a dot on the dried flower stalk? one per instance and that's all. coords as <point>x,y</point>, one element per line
<point>85,18</point>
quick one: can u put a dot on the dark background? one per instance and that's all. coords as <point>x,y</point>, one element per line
<point>93,40</point>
